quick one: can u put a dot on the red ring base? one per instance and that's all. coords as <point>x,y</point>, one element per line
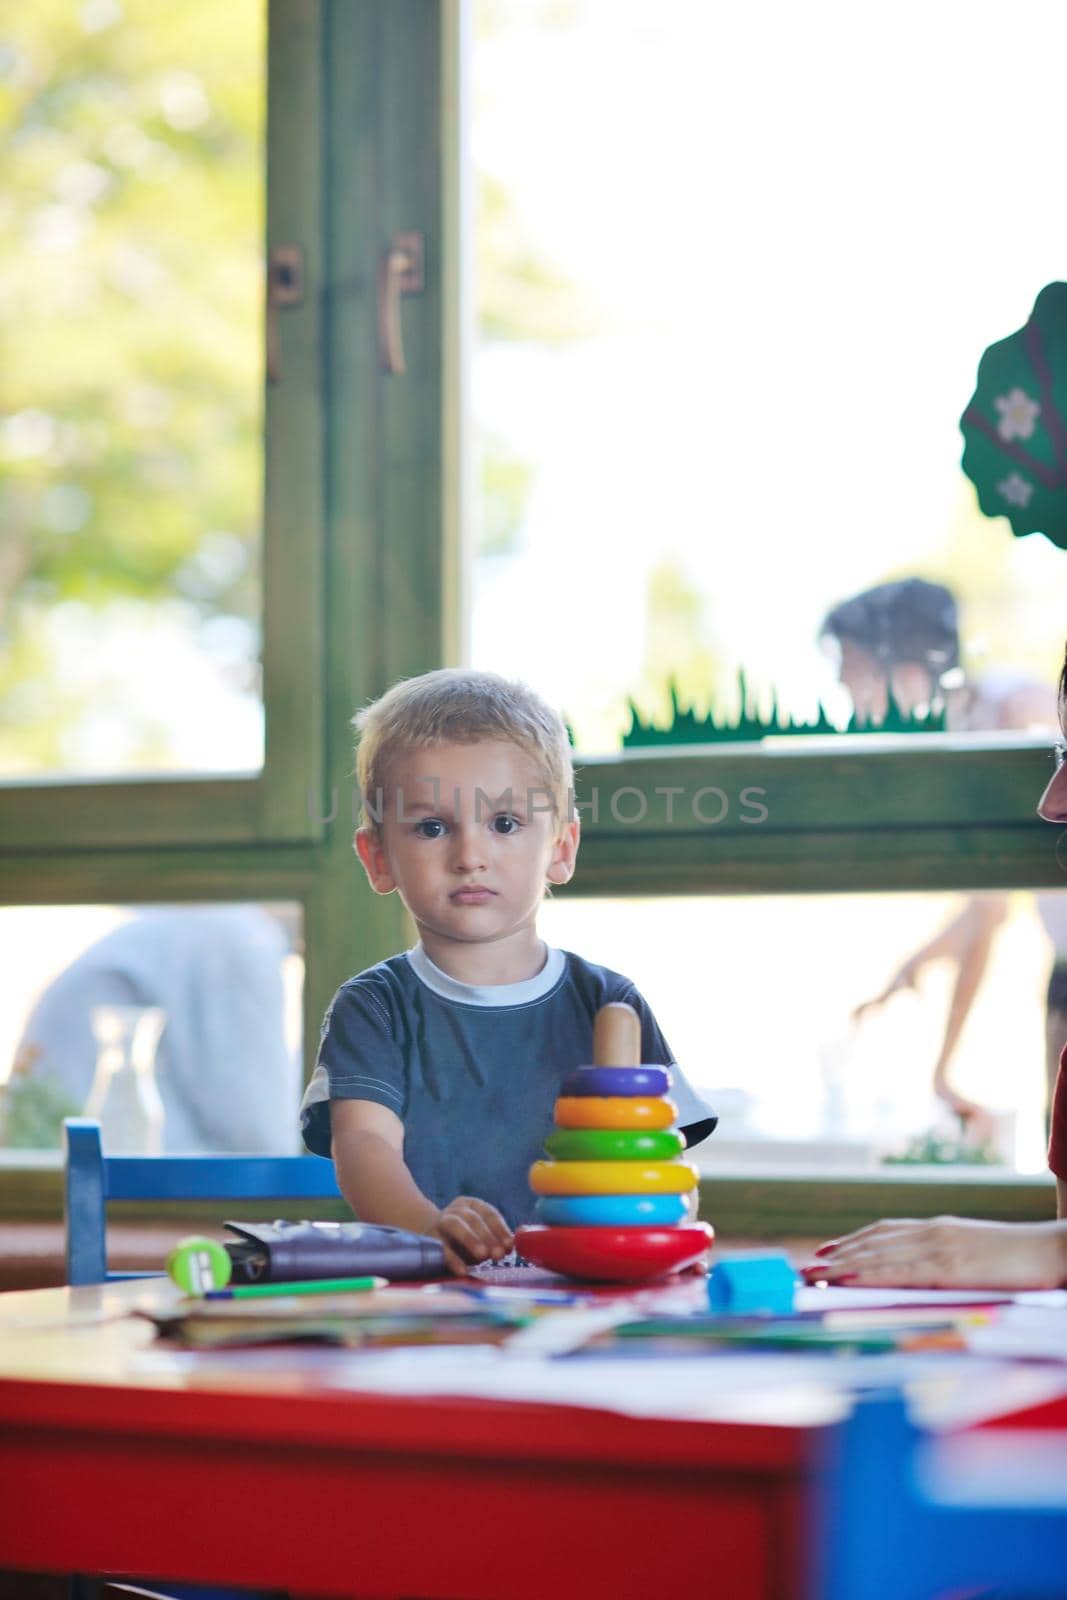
<point>614,1255</point>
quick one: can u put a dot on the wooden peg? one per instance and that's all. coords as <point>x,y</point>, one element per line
<point>617,1036</point>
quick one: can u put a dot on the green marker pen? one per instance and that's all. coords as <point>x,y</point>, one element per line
<point>263,1291</point>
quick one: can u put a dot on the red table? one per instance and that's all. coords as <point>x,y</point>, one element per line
<point>116,1457</point>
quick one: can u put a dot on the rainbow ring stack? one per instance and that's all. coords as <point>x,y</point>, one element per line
<point>612,1201</point>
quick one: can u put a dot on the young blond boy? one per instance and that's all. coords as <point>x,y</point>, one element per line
<point>439,1069</point>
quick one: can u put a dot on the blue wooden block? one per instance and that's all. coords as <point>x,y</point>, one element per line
<point>757,1284</point>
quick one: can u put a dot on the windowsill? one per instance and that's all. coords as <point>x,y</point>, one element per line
<point>842,1161</point>
<point>30,1161</point>
<point>749,1200</point>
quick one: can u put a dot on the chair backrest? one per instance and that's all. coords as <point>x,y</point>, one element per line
<point>907,1515</point>
<point>92,1179</point>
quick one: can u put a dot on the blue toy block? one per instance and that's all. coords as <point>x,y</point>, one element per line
<point>760,1283</point>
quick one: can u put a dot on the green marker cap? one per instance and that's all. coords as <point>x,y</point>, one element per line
<point>198,1264</point>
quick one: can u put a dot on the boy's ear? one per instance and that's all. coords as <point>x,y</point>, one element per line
<point>371,851</point>
<point>565,852</point>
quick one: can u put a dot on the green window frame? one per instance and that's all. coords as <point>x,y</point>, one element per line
<point>283,801</point>
<point>365,583</point>
<point>942,814</point>
<point>360,529</point>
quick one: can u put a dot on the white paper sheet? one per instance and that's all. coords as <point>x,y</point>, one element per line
<point>783,1389</point>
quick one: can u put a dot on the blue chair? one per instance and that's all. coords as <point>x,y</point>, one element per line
<point>92,1179</point>
<point>906,1515</point>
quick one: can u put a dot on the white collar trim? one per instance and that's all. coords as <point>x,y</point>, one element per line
<point>488,994</point>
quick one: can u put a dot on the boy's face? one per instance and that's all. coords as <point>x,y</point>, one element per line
<point>469,837</point>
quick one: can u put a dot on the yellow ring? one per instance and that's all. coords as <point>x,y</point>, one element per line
<point>612,1177</point>
<point>614,1111</point>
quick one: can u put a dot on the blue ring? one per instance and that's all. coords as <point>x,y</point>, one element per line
<point>617,1080</point>
<point>613,1210</point>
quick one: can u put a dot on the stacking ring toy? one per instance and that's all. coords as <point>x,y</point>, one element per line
<point>614,1111</point>
<point>617,1080</point>
<point>613,1210</point>
<point>614,1255</point>
<point>614,1144</point>
<point>612,1177</point>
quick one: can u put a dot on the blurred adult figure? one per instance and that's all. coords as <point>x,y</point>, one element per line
<point>227,1077</point>
<point>901,639</point>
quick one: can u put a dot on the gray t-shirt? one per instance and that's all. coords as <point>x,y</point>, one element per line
<point>473,1072</point>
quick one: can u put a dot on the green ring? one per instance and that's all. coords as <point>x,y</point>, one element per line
<point>614,1144</point>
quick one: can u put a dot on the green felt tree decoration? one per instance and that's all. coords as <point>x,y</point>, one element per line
<point>1015,437</point>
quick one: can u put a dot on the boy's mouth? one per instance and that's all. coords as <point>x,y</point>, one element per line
<point>475,896</point>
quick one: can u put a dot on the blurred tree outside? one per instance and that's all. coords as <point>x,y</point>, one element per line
<point>991,574</point>
<point>131,293</point>
<point>678,650</point>
<point>131,225</point>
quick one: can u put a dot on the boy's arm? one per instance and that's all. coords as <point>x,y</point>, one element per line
<point>367,1145</point>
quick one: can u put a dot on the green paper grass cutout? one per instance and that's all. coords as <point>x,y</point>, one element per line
<point>1015,437</point>
<point>686,727</point>
<point>935,1149</point>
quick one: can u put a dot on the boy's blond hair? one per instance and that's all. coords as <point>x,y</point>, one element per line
<point>456,705</point>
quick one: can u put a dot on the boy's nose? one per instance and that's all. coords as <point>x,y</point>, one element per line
<point>468,854</point>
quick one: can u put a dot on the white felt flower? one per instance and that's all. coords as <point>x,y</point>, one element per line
<point>1015,490</point>
<point>1018,414</point>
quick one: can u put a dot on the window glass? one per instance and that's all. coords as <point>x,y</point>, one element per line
<point>131,292</point>
<point>178,1027</point>
<point>736,268</point>
<point>756,995</point>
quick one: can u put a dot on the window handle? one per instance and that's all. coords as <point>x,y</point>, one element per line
<point>401,271</point>
<point>285,287</point>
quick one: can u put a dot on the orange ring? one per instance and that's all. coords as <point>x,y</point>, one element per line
<point>615,1111</point>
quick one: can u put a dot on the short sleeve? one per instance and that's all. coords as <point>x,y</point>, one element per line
<point>359,1059</point>
<point>696,1119</point>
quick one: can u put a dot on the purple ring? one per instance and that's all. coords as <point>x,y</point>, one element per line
<point>643,1081</point>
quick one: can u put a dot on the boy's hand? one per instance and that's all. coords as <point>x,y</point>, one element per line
<point>471,1231</point>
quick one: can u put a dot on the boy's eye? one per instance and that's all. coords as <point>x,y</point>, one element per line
<point>506,824</point>
<point>1059,754</point>
<point>429,828</point>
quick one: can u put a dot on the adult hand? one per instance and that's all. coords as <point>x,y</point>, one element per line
<point>904,979</point>
<point>946,1253</point>
<point>471,1230</point>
